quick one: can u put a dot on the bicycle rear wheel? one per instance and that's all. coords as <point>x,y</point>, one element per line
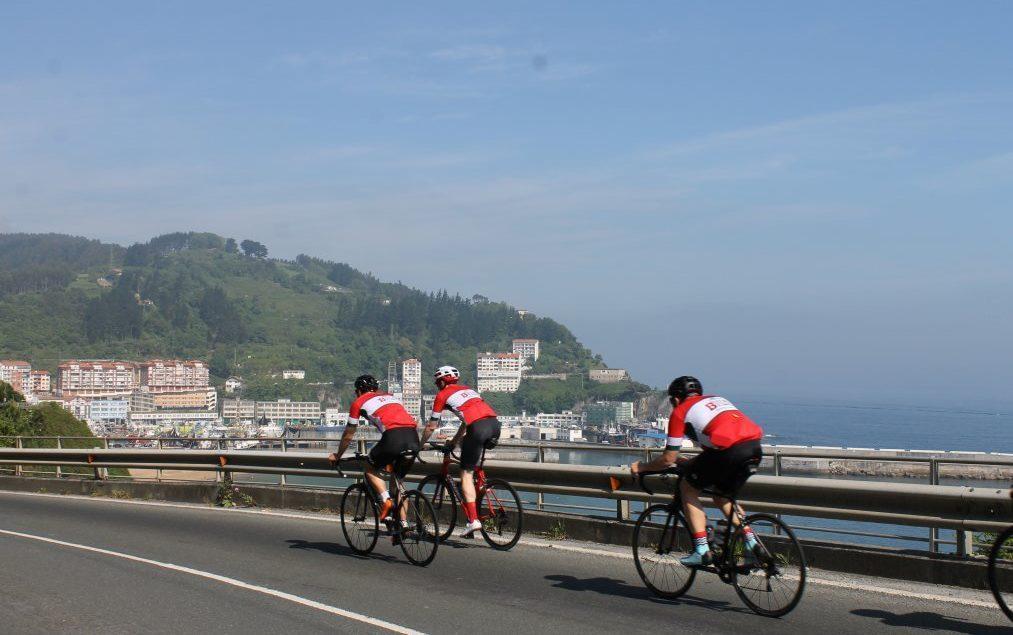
<point>770,578</point>
<point>434,487</point>
<point>500,512</point>
<point>1000,571</point>
<point>660,538</point>
<point>359,520</point>
<point>420,531</point>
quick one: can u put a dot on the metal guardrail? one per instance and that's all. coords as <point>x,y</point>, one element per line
<point>961,508</point>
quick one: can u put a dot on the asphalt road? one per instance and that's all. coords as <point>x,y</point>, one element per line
<point>243,565</point>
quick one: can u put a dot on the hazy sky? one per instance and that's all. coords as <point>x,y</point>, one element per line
<point>806,200</point>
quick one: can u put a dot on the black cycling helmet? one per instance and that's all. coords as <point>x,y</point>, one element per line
<point>366,383</point>
<point>683,386</point>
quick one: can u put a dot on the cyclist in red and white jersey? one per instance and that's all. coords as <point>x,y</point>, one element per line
<point>731,452</point>
<point>399,432</point>
<point>479,427</point>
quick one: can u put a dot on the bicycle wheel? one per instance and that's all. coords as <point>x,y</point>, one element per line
<point>770,578</point>
<point>1000,571</point>
<point>434,487</point>
<point>420,531</point>
<point>359,520</point>
<point>502,516</point>
<point>660,538</point>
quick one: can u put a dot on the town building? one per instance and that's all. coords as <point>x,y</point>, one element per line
<point>499,372</point>
<point>565,419</point>
<point>42,382</point>
<point>608,375</point>
<point>238,410</point>
<point>411,387</point>
<point>103,378</point>
<point>143,400</point>
<point>335,416</point>
<point>527,349</point>
<point>603,413</point>
<point>293,374</point>
<point>18,374</point>
<point>108,411</point>
<point>79,407</point>
<point>538,433</point>
<point>287,411</point>
<point>174,375</point>
<point>233,384</point>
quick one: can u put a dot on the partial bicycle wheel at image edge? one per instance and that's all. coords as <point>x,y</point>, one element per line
<point>1000,571</point>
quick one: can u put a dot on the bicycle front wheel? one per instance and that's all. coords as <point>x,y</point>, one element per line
<point>434,487</point>
<point>770,577</point>
<point>419,529</point>
<point>660,538</point>
<point>500,512</point>
<point>1000,571</point>
<point>359,519</point>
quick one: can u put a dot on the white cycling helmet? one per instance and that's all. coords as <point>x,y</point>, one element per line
<point>448,374</point>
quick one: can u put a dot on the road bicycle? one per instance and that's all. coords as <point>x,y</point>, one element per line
<point>412,524</point>
<point>770,578</point>
<point>499,506</point>
<point>1000,571</point>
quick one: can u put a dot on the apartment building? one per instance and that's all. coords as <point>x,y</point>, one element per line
<point>174,375</point>
<point>411,387</point>
<point>143,400</point>
<point>563,419</point>
<point>18,374</point>
<point>293,374</point>
<point>603,413</point>
<point>42,382</point>
<point>499,372</point>
<point>286,411</point>
<point>608,375</point>
<point>527,349</point>
<point>108,411</point>
<point>93,379</point>
<point>234,410</point>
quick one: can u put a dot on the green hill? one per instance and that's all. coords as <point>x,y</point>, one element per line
<point>203,296</point>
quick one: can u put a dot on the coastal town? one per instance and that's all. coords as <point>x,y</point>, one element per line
<point>166,398</point>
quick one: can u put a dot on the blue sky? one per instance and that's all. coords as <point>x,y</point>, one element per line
<point>806,200</point>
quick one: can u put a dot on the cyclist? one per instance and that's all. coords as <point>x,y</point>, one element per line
<point>731,445</point>
<point>479,427</point>
<point>399,432</point>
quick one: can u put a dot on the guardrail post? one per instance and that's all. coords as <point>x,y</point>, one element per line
<point>933,531</point>
<point>540,497</point>
<point>284,448</point>
<point>100,472</point>
<point>18,469</point>
<point>622,509</point>
<point>965,543</point>
<point>777,472</point>
<point>220,473</point>
<point>158,472</point>
<point>59,446</point>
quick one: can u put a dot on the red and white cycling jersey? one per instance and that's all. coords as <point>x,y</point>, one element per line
<point>383,410</point>
<point>712,421</point>
<point>464,402</point>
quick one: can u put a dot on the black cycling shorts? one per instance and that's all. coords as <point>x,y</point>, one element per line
<point>478,437</point>
<point>390,446</point>
<point>724,471</point>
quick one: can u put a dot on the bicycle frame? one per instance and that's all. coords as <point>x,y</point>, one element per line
<point>480,481</point>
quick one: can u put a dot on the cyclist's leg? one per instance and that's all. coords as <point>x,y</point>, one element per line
<point>380,455</point>
<point>701,472</point>
<point>471,453</point>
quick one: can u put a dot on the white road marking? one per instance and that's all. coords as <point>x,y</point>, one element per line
<point>537,543</point>
<point>358,617</point>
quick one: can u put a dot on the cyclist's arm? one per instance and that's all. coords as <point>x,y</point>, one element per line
<point>434,422</point>
<point>346,438</point>
<point>664,461</point>
<point>460,433</point>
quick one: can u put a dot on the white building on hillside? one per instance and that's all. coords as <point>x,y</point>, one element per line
<point>499,372</point>
<point>527,349</point>
<point>608,375</point>
<point>18,374</point>
<point>293,374</point>
<point>411,387</point>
